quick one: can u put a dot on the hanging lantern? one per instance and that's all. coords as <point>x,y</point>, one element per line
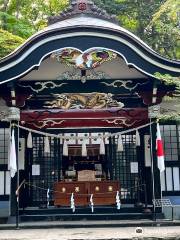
<point>138,141</point>
<point>29,141</point>
<point>120,147</point>
<point>102,147</point>
<point>65,148</point>
<point>46,145</point>
<point>84,148</point>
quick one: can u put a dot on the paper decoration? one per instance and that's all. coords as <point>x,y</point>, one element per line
<point>29,140</point>
<point>92,203</point>
<point>120,147</point>
<point>147,150</point>
<point>65,148</point>
<point>72,202</point>
<point>84,149</point>
<point>118,202</point>
<point>36,170</point>
<point>102,147</point>
<point>138,141</point>
<point>12,161</point>
<point>134,167</point>
<point>46,145</point>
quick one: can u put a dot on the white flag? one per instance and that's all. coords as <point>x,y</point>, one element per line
<point>12,160</point>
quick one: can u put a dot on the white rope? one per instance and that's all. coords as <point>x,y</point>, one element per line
<point>87,137</point>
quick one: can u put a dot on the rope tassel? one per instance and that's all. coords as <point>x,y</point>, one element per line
<point>65,148</point>
<point>138,141</point>
<point>120,147</point>
<point>29,140</point>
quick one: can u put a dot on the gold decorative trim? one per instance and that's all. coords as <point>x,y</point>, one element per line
<point>119,121</point>
<point>42,124</point>
<point>123,83</point>
<point>43,85</point>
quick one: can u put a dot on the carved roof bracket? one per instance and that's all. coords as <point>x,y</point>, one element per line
<point>79,7</point>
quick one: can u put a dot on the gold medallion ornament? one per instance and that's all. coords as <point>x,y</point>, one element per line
<point>97,189</point>
<point>76,189</point>
<point>110,188</point>
<point>63,189</point>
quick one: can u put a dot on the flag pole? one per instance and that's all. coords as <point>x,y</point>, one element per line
<point>152,167</point>
<point>17,193</point>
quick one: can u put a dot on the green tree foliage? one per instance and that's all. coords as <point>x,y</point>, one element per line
<point>8,42</point>
<point>164,29</point>
<point>24,17</point>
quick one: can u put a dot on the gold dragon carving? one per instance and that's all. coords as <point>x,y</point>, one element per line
<point>83,101</point>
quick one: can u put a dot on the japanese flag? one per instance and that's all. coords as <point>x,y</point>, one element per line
<point>160,151</point>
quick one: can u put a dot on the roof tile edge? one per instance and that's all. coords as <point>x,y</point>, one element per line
<point>79,7</point>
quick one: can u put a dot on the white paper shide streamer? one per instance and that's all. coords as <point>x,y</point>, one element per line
<point>72,202</point>
<point>84,148</point>
<point>120,147</point>
<point>48,191</point>
<point>46,145</point>
<point>65,148</point>
<point>92,203</point>
<point>29,140</point>
<point>118,202</point>
<point>12,159</point>
<point>138,141</point>
<point>102,147</point>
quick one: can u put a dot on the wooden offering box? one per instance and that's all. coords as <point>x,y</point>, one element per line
<point>104,193</point>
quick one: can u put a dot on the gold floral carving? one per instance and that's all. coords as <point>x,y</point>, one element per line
<point>97,188</point>
<point>63,189</point>
<point>110,188</point>
<point>93,100</point>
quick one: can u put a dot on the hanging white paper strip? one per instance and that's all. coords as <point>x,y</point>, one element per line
<point>102,147</point>
<point>92,203</point>
<point>84,148</point>
<point>65,148</point>
<point>118,202</point>
<point>12,162</point>
<point>120,147</point>
<point>138,141</point>
<point>72,202</point>
<point>46,145</point>
<point>29,140</point>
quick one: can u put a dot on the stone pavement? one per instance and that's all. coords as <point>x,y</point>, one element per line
<point>92,233</point>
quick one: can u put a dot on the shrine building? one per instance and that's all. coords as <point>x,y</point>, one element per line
<point>79,102</point>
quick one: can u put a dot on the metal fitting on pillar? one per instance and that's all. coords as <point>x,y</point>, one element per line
<point>13,114</point>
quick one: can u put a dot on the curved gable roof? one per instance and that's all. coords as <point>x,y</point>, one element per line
<point>83,32</point>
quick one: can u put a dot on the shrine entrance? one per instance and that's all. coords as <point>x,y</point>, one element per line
<point>76,97</point>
